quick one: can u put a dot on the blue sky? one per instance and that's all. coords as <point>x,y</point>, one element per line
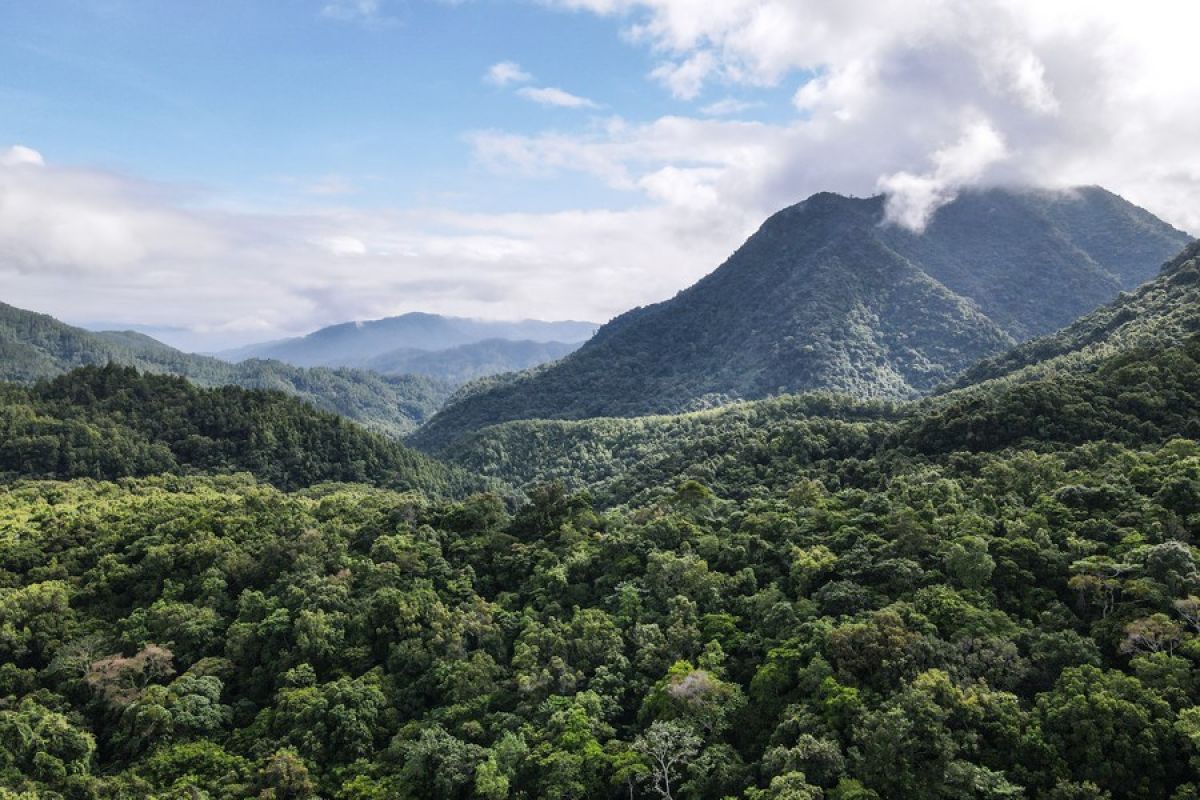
<point>226,171</point>
<point>257,101</point>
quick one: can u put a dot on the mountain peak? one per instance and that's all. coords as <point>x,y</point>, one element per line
<point>825,297</point>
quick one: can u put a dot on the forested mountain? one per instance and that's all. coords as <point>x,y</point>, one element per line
<point>355,344</point>
<point>1133,397</point>
<point>111,422</point>
<point>826,296</point>
<point>34,346</point>
<point>987,597</point>
<point>1158,314</point>
<point>467,362</point>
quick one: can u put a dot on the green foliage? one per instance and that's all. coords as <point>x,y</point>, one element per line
<point>813,442</point>
<point>929,636</point>
<point>110,422</point>
<point>1162,312</point>
<point>36,346</point>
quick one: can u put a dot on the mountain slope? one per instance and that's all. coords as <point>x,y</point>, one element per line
<point>1136,397</point>
<point>1159,314</point>
<point>825,296</point>
<point>35,346</point>
<point>1035,261</point>
<point>111,422</point>
<point>353,344</point>
<point>467,362</point>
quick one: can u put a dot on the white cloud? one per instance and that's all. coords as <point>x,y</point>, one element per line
<point>344,246</point>
<point>1081,91</point>
<point>505,73</point>
<point>550,96</point>
<point>920,99</point>
<point>912,199</point>
<point>353,10</point>
<point>87,245</point>
<point>686,78</point>
<point>18,155</point>
<point>728,106</point>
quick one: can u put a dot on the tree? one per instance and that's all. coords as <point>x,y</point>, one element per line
<point>1153,634</point>
<point>790,786</point>
<point>285,777</point>
<point>43,745</point>
<point>120,680</point>
<point>667,747</point>
<point>1107,728</point>
<point>968,561</point>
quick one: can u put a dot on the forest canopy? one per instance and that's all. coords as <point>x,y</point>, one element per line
<point>857,603</point>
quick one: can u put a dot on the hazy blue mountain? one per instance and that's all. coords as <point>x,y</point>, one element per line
<point>826,296</point>
<point>35,346</point>
<point>354,344</point>
<point>467,362</point>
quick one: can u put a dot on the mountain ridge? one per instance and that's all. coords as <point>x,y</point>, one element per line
<point>36,346</point>
<point>1158,313</point>
<point>825,296</point>
<point>354,344</point>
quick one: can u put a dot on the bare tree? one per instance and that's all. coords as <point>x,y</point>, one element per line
<point>1189,610</point>
<point>668,746</point>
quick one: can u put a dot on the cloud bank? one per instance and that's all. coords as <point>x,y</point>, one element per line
<point>926,96</point>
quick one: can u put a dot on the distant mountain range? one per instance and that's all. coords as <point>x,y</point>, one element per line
<point>35,346</point>
<point>467,362</point>
<point>449,348</point>
<point>827,296</point>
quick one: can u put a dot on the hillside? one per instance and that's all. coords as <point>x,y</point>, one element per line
<point>847,606</point>
<point>1160,313</point>
<point>112,422</point>
<point>1133,397</point>
<point>34,346</point>
<point>354,344</point>
<point>826,297</point>
<point>468,362</point>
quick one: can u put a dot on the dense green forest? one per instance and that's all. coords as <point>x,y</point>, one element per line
<point>34,346</point>
<point>110,422</point>
<point>992,595</point>
<point>824,297</point>
<point>1132,397</point>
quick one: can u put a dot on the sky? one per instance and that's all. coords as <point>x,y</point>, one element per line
<point>230,171</point>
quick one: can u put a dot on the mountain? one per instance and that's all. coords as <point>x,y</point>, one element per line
<point>112,422</point>
<point>354,344</point>
<point>1158,314</point>
<point>1133,396</point>
<point>35,346</point>
<point>827,296</point>
<point>468,362</point>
